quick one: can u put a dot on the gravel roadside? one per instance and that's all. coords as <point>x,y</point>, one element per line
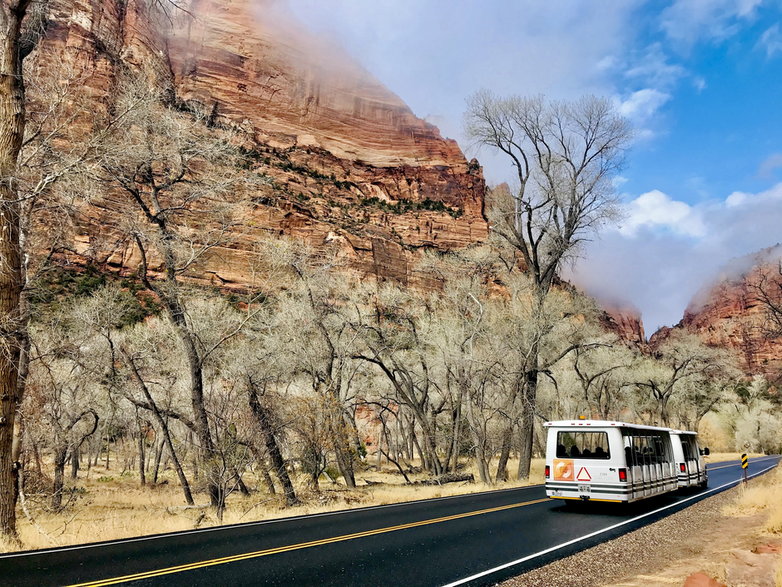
<point>643,552</point>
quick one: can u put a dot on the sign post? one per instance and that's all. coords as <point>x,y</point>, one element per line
<point>744,465</point>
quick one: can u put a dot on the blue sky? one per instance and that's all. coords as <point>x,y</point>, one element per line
<point>701,80</point>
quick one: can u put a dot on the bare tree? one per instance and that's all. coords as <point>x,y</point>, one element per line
<point>315,314</point>
<point>13,49</point>
<point>172,169</point>
<point>22,25</point>
<point>768,291</point>
<point>395,338</point>
<point>681,358</point>
<point>565,156</point>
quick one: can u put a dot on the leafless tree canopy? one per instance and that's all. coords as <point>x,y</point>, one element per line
<point>565,156</point>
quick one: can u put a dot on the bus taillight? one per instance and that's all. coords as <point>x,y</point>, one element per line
<point>548,471</point>
<point>623,474</point>
<point>682,467</point>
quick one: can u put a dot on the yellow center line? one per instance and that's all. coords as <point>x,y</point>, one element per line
<point>280,549</point>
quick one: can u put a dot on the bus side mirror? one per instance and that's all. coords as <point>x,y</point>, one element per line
<point>705,451</point>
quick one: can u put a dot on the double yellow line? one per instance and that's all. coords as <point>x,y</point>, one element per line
<point>281,549</point>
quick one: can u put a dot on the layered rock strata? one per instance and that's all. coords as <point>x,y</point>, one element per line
<point>343,160</point>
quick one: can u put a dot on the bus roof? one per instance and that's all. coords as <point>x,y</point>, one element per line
<point>604,424</point>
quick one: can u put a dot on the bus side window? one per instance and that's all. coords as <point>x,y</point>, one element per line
<point>574,452</point>
<point>659,450</point>
<point>629,456</point>
<point>686,449</point>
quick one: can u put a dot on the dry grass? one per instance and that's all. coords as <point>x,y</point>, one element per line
<point>761,494</point>
<point>109,506</point>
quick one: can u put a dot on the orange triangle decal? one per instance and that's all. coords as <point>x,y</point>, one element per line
<point>583,475</point>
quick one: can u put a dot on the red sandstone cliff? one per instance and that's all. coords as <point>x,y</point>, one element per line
<point>729,312</point>
<point>625,320</point>
<point>346,160</point>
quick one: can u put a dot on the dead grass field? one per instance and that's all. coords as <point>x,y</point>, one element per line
<point>109,505</point>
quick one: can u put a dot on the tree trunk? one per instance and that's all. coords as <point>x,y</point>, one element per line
<point>108,448</point>
<point>479,438</point>
<point>240,483</point>
<point>430,459</point>
<point>502,464</point>
<point>161,445</point>
<point>267,478</point>
<point>60,453</point>
<point>176,314</point>
<point>37,458</point>
<point>12,121</point>
<point>272,447</point>
<point>457,437</point>
<point>75,460</point>
<point>344,460</point>
<point>177,465</point>
<point>142,473</point>
<point>527,429</point>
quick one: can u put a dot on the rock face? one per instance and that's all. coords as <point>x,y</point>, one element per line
<point>729,312</point>
<point>625,321</point>
<point>344,159</point>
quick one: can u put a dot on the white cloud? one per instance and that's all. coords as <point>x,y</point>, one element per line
<point>737,199</point>
<point>699,83</point>
<point>771,41</point>
<point>769,196</point>
<point>687,22</point>
<point>658,210</point>
<point>661,264</point>
<point>653,68</point>
<point>642,105</point>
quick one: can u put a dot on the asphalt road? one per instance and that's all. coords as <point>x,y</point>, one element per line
<point>474,539</point>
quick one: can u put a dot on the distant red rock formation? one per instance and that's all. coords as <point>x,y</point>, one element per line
<point>625,320</point>
<point>729,313</point>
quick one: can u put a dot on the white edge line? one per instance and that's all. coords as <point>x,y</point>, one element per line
<point>256,523</point>
<point>264,522</point>
<point>598,532</point>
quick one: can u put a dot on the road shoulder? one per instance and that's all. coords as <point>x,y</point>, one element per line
<point>701,539</point>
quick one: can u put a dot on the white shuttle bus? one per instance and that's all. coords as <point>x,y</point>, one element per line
<point>691,467</point>
<point>594,460</point>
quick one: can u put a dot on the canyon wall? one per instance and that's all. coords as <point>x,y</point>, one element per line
<point>343,159</point>
<point>730,312</point>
